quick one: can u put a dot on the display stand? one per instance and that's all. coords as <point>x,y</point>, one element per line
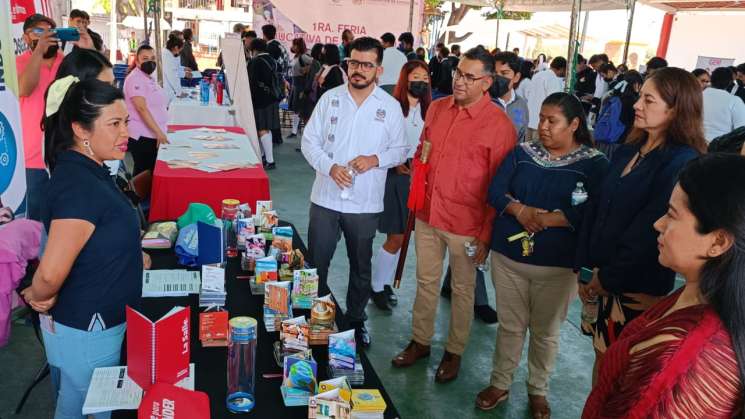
<point>234,59</point>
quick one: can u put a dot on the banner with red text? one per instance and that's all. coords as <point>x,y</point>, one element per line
<point>323,21</point>
<point>12,173</point>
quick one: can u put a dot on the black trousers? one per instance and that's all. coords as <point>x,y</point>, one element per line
<point>324,232</point>
<point>144,152</point>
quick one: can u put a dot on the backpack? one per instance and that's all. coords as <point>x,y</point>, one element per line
<point>275,91</point>
<point>608,128</point>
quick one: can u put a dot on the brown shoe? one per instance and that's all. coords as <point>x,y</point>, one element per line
<point>413,352</point>
<point>448,369</point>
<point>491,397</point>
<point>539,407</point>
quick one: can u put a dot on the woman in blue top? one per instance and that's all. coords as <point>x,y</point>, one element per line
<point>618,241</point>
<point>92,265</point>
<point>539,192</point>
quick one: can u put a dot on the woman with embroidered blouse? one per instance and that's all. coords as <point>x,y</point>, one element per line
<point>533,245</point>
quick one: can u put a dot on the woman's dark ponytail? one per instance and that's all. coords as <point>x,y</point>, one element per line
<point>82,103</point>
<point>716,198</point>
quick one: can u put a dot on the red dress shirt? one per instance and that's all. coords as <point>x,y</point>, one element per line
<point>468,145</point>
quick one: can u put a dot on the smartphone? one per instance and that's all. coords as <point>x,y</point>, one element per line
<point>585,275</point>
<point>67,34</point>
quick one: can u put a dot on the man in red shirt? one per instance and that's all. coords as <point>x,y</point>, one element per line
<point>469,136</point>
<point>36,69</point>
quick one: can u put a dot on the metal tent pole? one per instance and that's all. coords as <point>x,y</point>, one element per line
<point>572,51</point>
<point>631,8</point>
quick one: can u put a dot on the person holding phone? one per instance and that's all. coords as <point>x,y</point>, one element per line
<point>540,191</point>
<point>36,70</point>
<point>147,103</point>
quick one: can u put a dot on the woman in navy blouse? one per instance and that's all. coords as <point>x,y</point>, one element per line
<point>534,244</point>
<point>92,266</point>
<point>618,241</point>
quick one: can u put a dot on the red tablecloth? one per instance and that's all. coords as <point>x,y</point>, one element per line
<point>174,189</point>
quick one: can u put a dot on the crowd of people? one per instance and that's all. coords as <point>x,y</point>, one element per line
<point>524,182</point>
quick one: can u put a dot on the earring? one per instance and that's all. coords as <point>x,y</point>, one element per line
<point>87,144</point>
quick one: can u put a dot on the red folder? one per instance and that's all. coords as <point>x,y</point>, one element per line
<point>166,401</point>
<point>158,352</point>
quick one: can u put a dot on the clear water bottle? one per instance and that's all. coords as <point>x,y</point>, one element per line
<point>471,252</point>
<point>204,91</point>
<point>347,193</point>
<point>229,216</point>
<point>590,310</point>
<point>579,194</point>
<point>241,365</point>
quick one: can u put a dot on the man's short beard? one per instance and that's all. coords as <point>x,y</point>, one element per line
<point>361,86</point>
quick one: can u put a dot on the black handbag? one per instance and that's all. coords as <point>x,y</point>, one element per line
<point>728,143</point>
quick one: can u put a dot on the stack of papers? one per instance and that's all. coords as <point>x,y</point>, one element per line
<point>208,150</point>
<point>367,404</point>
<point>112,389</point>
<point>213,292</point>
<point>169,283</point>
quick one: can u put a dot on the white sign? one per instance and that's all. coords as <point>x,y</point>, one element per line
<point>712,63</point>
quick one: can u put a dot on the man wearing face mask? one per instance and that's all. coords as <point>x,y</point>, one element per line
<point>507,74</point>
<point>469,138</point>
<point>406,45</point>
<point>172,69</point>
<point>147,104</point>
<point>36,70</point>
<point>356,133</point>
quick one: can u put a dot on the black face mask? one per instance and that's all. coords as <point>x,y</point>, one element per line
<point>499,87</point>
<point>148,67</point>
<point>418,88</point>
<point>607,80</point>
<point>420,57</point>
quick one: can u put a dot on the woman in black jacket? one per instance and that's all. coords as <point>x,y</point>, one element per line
<point>266,92</point>
<point>331,74</point>
<point>617,240</point>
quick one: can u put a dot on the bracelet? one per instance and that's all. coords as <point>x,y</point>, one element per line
<point>521,210</point>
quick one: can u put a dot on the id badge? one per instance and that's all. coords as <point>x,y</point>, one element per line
<point>47,323</point>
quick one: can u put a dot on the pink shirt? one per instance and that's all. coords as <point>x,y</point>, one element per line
<point>33,110</point>
<point>136,84</point>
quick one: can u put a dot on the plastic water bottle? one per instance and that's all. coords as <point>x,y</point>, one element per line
<point>471,252</point>
<point>229,217</point>
<point>241,365</point>
<point>204,91</point>
<point>347,193</point>
<point>579,194</point>
<point>590,310</point>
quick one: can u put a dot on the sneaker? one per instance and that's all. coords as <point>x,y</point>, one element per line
<point>392,298</point>
<point>381,300</point>
<point>293,135</point>
<point>270,166</point>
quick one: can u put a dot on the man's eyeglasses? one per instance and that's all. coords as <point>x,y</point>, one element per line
<point>468,79</point>
<point>365,65</point>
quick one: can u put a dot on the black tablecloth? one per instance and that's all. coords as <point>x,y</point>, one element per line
<point>211,363</point>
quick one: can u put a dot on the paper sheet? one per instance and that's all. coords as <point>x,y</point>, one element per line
<point>214,152</point>
<point>170,283</point>
<point>213,278</point>
<point>112,389</point>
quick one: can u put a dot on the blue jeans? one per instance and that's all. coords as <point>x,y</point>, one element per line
<point>77,353</point>
<point>36,189</point>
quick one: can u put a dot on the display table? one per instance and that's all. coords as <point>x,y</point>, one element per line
<point>174,189</point>
<point>211,363</point>
<point>190,110</point>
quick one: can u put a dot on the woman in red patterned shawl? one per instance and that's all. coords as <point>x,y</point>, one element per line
<point>685,356</point>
